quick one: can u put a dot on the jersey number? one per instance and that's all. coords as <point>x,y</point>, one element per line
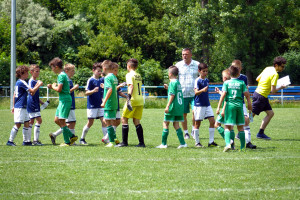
<point>139,89</point>
<point>234,93</point>
<point>179,98</point>
<point>16,91</point>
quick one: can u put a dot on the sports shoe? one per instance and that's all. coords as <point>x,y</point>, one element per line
<point>263,136</point>
<point>186,136</point>
<point>52,137</point>
<point>232,146</point>
<point>27,144</point>
<point>129,107</point>
<point>182,146</point>
<point>199,145</point>
<point>122,144</point>
<point>227,148</point>
<point>213,144</point>
<point>83,142</point>
<point>105,141</point>
<point>249,145</point>
<point>9,143</point>
<point>110,144</point>
<point>117,141</point>
<point>242,150</point>
<point>73,139</point>
<point>141,145</point>
<point>162,146</point>
<point>37,143</point>
<point>64,145</point>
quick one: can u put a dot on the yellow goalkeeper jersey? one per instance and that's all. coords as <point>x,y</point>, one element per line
<point>265,80</point>
<point>135,79</point>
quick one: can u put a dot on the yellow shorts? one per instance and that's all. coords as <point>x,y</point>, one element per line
<point>137,112</point>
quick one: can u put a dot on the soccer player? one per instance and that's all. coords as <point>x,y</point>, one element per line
<point>71,121</point>
<point>267,82</point>
<point>20,103</point>
<point>173,110</point>
<point>202,108</point>
<point>232,93</point>
<point>134,106</point>
<point>94,99</point>
<point>65,100</point>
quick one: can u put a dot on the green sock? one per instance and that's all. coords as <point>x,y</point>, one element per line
<point>67,134</point>
<point>165,134</point>
<point>242,139</point>
<point>232,135</point>
<point>221,131</point>
<point>227,137</point>
<point>111,132</point>
<point>180,136</point>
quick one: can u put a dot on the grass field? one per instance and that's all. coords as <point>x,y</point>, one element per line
<point>93,172</point>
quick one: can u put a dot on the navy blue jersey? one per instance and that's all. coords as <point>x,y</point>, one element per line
<point>244,78</point>
<point>202,99</point>
<point>33,102</point>
<point>72,94</point>
<point>94,100</point>
<point>21,92</point>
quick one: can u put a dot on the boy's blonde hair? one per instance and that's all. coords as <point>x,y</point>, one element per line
<point>237,63</point>
<point>115,65</point>
<point>107,64</point>
<point>226,74</point>
<point>33,67</point>
<point>69,66</point>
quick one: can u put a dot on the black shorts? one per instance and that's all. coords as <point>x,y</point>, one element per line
<point>260,103</point>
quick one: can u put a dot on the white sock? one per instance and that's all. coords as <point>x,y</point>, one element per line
<point>26,136</point>
<point>85,130</point>
<point>73,131</point>
<point>247,134</point>
<point>186,131</point>
<point>13,133</point>
<point>36,132</point>
<point>104,131</point>
<point>115,128</point>
<point>211,135</point>
<point>196,134</point>
<point>57,133</point>
<point>106,137</point>
<point>30,128</point>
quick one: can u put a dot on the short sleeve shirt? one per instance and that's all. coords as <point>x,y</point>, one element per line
<point>135,79</point>
<point>244,78</point>
<point>21,92</point>
<point>176,108</point>
<point>202,99</point>
<point>234,89</point>
<point>33,102</point>
<point>111,82</point>
<point>94,100</point>
<point>63,79</point>
<point>267,78</point>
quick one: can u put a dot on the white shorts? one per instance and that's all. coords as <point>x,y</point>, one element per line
<point>21,115</point>
<point>71,117</point>
<point>245,110</point>
<point>203,112</point>
<point>118,115</point>
<point>34,115</point>
<point>95,113</point>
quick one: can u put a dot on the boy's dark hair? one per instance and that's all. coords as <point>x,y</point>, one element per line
<point>33,67</point>
<point>187,49</point>
<point>279,61</point>
<point>56,62</point>
<point>22,69</point>
<point>234,71</point>
<point>173,70</point>
<point>107,64</point>
<point>202,66</point>
<point>132,62</point>
<point>97,65</point>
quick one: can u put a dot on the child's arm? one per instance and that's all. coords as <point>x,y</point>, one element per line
<point>121,85</point>
<point>109,92</point>
<point>220,102</point>
<point>247,95</point>
<point>129,90</point>
<point>172,96</point>
<point>32,91</point>
<point>274,90</point>
<point>223,109</point>
<point>122,94</point>
<point>54,86</point>
<point>74,88</point>
<point>198,92</point>
<point>166,86</point>
<point>218,90</point>
<point>13,108</point>
<point>90,92</point>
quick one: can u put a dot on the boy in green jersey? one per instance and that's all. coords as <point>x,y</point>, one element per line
<point>110,102</point>
<point>173,110</point>
<point>65,100</point>
<point>233,112</point>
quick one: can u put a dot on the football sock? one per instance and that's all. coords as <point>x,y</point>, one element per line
<point>261,131</point>
<point>180,136</point>
<point>57,133</point>
<point>227,137</point>
<point>13,133</point>
<point>221,131</point>
<point>104,131</point>
<point>196,135</point>
<point>110,132</point>
<point>26,136</point>
<point>72,131</point>
<point>67,134</point>
<point>36,132</point>
<point>192,130</point>
<point>232,135</point>
<point>140,134</point>
<point>165,134</point>
<point>211,135</point>
<point>186,131</point>
<point>242,139</point>
<point>30,128</point>
<point>247,134</point>
<point>85,130</point>
<point>125,129</point>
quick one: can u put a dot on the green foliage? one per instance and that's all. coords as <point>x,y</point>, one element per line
<point>82,75</point>
<point>4,69</point>
<point>292,67</point>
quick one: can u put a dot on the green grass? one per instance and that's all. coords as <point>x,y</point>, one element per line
<point>96,172</point>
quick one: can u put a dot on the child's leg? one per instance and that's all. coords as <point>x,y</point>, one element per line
<point>110,130</point>
<point>125,130</point>
<point>196,131</point>
<point>165,133</point>
<point>219,128</point>
<point>71,126</point>
<point>14,131</point>
<point>227,134</point>
<point>179,133</point>
<point>242,136</point>
<point>104,126</point>
<point>139,130</point>
<point>31,122</point>
<point>86,128</point>
<point>66,131</point>
<point>211,129</point>
<point>36,132</point>
<point>26,133</point>
<point>247,130</point>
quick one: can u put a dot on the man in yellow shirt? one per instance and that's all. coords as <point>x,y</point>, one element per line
<point>267,82</point>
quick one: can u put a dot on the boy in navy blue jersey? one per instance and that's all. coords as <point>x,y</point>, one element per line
<point>202,108</point>
<point>20,104</point>
<point>94,99</point>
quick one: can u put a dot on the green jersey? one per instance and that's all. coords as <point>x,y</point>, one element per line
<point>63,79</point>
<point>234,89</point>
<point>111,81</point>
<point>176,107</point>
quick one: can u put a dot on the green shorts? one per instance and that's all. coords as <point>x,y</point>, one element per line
<point>172,118</point>
<point>63,109</point>
<point>220,119</point>
<point>187,101</point>
<point>234,115</point>
<point>110,114</point>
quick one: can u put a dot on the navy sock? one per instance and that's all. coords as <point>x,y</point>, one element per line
<point>261,131</point>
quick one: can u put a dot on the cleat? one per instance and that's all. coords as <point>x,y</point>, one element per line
<point>213,144</point>
<point>232,146</point>
<point>117,141</point>
<point>141,145</point>
<point>105,141</point>
<point>37,143</point>
<point>27,144</point>
<point>249,145</point>
<point>64,145</point>
<point>83,142</point>
<point>237,136</point>
<point>122,144</point>
<point>129,107</point>
<point>9,143</point>
<point>227,148</point>
<point>199,145</point>
<point>186,136</point>
<point>73,139</point>
<point>182,146</point>
<point>242,150</point>
<point>162,146</point>
<point>52,137</point>
<point>110,144</point>
<point>263,136</point>
<point>74,144</point>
